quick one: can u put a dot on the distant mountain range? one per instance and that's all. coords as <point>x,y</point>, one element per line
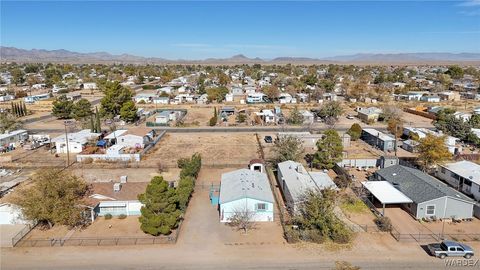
<point>9,54</point>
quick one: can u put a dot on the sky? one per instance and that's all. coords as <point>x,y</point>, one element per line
<point>265,29</point>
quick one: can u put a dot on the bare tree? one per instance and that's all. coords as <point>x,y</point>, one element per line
<point>243,219</point>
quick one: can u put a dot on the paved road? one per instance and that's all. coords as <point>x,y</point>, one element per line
<point>230,129</point>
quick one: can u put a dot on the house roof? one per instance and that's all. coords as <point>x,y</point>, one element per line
<point>298,180</point>
<point>12,133</point>
<point>80,137</point>
<point>385,192</point>
<point>104,192</point>
<point>115,134</point>
<point>466,169</point>
<point>245,183</point>
<point>382,136</point>
<point>418,186</point>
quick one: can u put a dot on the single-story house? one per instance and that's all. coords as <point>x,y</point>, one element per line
<point>7,98</point>
<point>308,139</point>
<point>410,145</point>
<point>462,175</point>
<point>430,197</point>
<point>13,137</point>
<point>116,198</point>
<point>245,191</point>
<point>161,100</point>
<point>131,140</point>
<point>295,181</point>
<point>378,139</point>
<point>368,114</point>
<point>256,98</point>
<point>308,116</point>
<point>76,141</point>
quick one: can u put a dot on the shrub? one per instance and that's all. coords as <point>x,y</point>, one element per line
<point>122,216</point>
<point>383,223</point>
<point>108,216</point>
<point>342,181</point>
<point>213,121</point>
<point>88,160</point>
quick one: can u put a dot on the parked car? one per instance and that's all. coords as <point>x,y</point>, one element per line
<point>268,139</point>
<point>350,117</point>
<point>450,249</point>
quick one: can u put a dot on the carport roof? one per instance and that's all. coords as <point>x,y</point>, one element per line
<point>385,192</point>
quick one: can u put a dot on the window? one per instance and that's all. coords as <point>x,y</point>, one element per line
<point>459,249</point>
<point>451,249</point>
<point>454,175</point>
<point>430,210</point>
<point>261,207</point>
<point>443,170</point>
<point>467,183</point>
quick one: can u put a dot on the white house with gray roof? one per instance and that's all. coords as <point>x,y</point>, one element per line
<point>243,191</point>
<point>462,175</point>
<point>295,181</point>
<point>430,197</point>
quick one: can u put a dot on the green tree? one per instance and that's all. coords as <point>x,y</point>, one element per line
<point>217,93</point>
<point>190,166</point>
<point>455,72</point>
<point>450,125</point>
<point>271,91</point>
<point>355,132</point>
<point>8,122</point>
<point>98,125</point>
<point>317,221</point>
<point>81,109</point>
<point>330,110</point>
<point>128,112</point>
<point>329,150</point>
<point>115,96</point>
<point>287,148</point>
<point>296,118</point>
<point>160,214</point>
<point>55,197</point>
<point>474,121</point>
<point>62,107</point>
<point>17,76</point>
<point>184,191</point>
<point>432,151</point>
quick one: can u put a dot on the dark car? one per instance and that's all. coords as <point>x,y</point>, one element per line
<point>268,139</point>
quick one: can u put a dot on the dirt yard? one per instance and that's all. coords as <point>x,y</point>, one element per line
<point>202,225</point>
<point>216,148</point>
<point>133,174</point>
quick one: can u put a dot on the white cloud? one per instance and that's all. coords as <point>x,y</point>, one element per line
<point>470,3</point>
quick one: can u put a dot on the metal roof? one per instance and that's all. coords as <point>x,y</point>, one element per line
<point>385,192</point>
<point>245,183</point>
<point>466,169</point>
<point>299,181</point>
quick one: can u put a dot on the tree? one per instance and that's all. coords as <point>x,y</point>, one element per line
<point>98,126</point>
<point>8,122</point>
<point>159,213</point>
<point>128,112</point>
<point>54,197</point>
<point>184,191</point>
<point>271,91</point>
<point>329,150</point>
<point>355,132</point>
<point>474,121</point>
<point>190,166</point>
<point>81,109</point>
<point>140,79</point>
<point>317,221</point>
<point>241,118</point>
<point>242,219</point>
<point>432,151</point>
<point>455,72</point>
<point>287,148</point>
<point>296,118</point>
<point>62,107</point>
<point>115,96</point>
<point>450,125</point>
<point>213,121</point>
<point>17,76</point>
<point>395,126</point>
<point>217,93</point>
<point>391,112</point>
<point>330,110</point>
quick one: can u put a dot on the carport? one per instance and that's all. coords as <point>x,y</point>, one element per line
<point>386,193</point>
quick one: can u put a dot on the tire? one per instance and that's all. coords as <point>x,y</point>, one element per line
<point>467,256</point>
<point>442,256</point>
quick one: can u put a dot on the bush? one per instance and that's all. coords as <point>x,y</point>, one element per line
<point>383,223</point>
<point>108,216</point>
<point>122,216</point>
<point>213,121</point>
<point>342,181</point>
<point>88,160</point>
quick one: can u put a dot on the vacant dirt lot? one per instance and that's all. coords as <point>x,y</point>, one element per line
<point>216,148</point>
<point>133,174</point>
